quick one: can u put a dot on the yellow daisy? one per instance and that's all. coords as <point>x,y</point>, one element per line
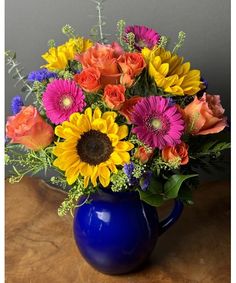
<point>170,73</point>
<point>58,57</point>
<point>92,146</point>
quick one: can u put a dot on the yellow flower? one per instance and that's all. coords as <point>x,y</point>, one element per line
<point>170,73</point>
<point>58,57</point>
<point>92,147</point>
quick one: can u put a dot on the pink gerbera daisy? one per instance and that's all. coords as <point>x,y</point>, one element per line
<point>144,36</point>
<point>157,123</point>
<point>61,99</point>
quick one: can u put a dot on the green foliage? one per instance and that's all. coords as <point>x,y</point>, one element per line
<point>159,164</point>
<point>51,43</point>
<point>212,148</point>
<point>154,194</point>
<point>206,151</point>
<point>69,31</point>
<point>139,170</point>
<point>71,202</point>
<point>131,41</point>
<point>16,71</point>
<point>38,88</point>
<point>186,190</point>
<point>27,161</point>
<point>180,42</point>
<point>173,184</point>
<point>97,30</point>
<point>119,181</point>
<point>163,41</point>
<point>121,32</point>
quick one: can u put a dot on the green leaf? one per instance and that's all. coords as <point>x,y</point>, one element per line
<point>153,195</point>
<point>172,186</point>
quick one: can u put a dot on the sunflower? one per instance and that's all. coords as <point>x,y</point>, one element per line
<point>170,73</point>
<point>92,147</point>
<point>58,57</point>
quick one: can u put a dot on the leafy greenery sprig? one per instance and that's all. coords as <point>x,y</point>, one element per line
<point>16,70</point>
<point>180,42</point>
<point>27,161</point>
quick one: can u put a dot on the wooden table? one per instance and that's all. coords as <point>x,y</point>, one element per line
<point>40,247</point>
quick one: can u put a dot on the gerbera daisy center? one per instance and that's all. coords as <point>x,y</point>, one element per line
<point>66,101</point>
<point>156,124</point>
<point>141,43</point>
<point>94,147</point>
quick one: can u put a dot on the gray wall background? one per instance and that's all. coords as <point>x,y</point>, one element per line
<point>29,24</point>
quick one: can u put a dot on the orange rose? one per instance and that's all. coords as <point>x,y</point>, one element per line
<point>128,105</point>
<point>104,58</point>
<point>143,155</point>
<point>131,63</point>
<point>204,116</point>
<point>127,79</point>
<point>28,128</point>
<point>89,79</point>
<point>176,154</point>
<point>114,96</point>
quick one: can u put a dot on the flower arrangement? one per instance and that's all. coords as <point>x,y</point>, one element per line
<point>125,115</point>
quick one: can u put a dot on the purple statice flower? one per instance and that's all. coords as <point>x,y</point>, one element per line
<point>156,123</point>
<point>145,180</point>
<point>128,169</point>
<point>40,75</point>
<point>144,36</point>
<point>205,83</point>
<point>16,104</point>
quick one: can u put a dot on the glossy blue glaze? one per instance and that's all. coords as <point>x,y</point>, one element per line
<point>116,232</point>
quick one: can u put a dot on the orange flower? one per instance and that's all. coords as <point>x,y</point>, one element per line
<point>176,154</point>
<point>104,58</point>
<point>132,64</point>
<point>128,105</point>
<point>127,79</point>
<point>28,128</point>
<point>114,96</point>
<point>89,79</point>
<point>204,116</point>
<point>142,154</point>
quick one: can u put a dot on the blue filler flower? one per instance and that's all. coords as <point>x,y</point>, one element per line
<point>145,180</point>
<point>41,75</point>
<point>16,104</point>
<point>128,169</point>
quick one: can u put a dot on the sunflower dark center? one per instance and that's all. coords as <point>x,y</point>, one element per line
<point>94,147</point>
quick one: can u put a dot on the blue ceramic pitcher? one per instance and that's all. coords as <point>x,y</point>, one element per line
<point>116,232</point>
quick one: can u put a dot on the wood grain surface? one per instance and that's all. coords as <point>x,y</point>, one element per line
<point>39,245</point>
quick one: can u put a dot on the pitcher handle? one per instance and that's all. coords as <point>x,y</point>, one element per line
<point>173,217</point>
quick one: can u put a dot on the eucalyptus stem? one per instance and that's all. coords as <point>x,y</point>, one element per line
<point>100,20</point>
<point>13,66</point>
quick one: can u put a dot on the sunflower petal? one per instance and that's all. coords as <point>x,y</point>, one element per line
<point>97,113</point>
<point>124,146</point>
<point>122,132</point>
<point>104,182</point>
<point>116,159</point>
<point>88,112</point>
<point>104,172</point>
<point>99,125</point>
<point>86,181</point>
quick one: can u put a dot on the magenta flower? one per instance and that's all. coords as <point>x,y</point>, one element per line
<point>61,99</point>
<point>157,123</point>
<point>144,36</point>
